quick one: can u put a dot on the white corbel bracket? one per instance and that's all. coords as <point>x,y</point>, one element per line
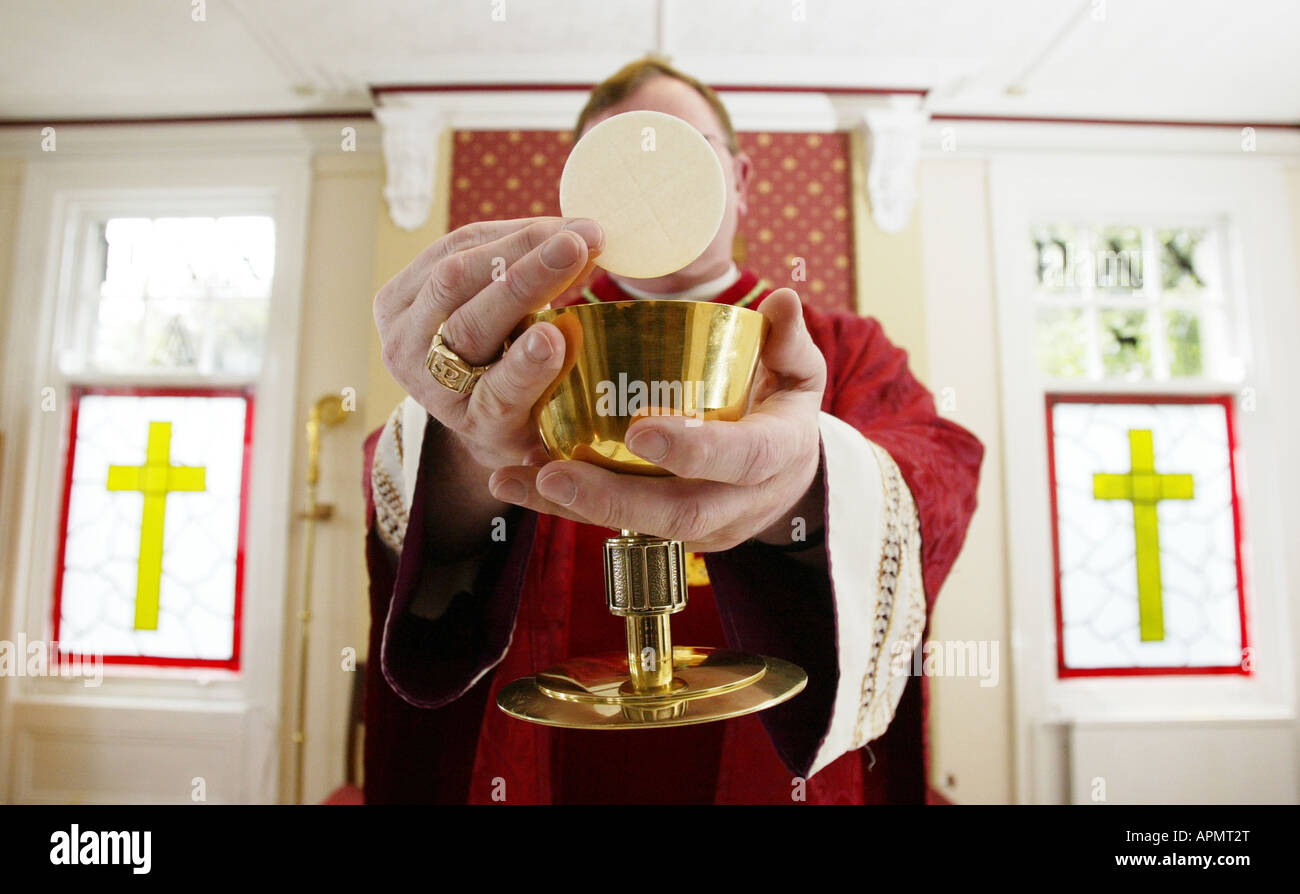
<point>893,141</point>
<point>410,140</point>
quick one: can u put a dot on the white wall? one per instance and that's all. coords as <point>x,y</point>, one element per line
<point>336,331</point>
<point>970,721</point>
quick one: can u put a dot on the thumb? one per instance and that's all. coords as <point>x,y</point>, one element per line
<point>789,353</point>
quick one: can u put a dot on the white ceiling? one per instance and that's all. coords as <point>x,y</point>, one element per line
<point>1147,59</point>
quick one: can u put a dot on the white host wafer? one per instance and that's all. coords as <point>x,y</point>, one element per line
<point>654,184</point>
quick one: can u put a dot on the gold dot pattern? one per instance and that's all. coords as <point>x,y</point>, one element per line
<point>798,215</point>
<point>798,200</point>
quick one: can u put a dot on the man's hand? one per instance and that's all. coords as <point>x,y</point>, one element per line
<point>735,480</point>
<point>459,281</point>
<point>480,281</point>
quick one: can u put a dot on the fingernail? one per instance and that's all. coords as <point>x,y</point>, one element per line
<point>537,347</point>
<point>510,491</point>
<point>651,445</point>
<point>558,488</point>
<point>590,232</point>
<point>559,252</point>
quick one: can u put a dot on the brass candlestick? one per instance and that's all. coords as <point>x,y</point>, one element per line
<point>690,358</point>
<point>327,411</point>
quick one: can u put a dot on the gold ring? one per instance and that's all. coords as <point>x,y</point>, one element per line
<point>449,369</point>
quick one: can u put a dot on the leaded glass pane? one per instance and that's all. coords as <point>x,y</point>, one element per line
<point>1125,343</point>
<point>1145,525</point>
<point>1183,338</point>
<point>1062,342</point>
<point>1057,250</point>
<point>1119,259</point>
<point>1181,263</point>
<point>150,563</point>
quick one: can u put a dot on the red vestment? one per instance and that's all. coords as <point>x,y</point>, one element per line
<point>434,733</point>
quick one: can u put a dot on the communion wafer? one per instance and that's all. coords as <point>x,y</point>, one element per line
<point>655,186</point>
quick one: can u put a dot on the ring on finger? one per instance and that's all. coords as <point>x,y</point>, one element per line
<point>450,371</point>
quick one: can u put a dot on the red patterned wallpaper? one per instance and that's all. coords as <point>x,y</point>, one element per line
<point>799,200</point>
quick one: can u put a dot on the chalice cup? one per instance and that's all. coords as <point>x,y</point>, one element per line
<point>688,358</point>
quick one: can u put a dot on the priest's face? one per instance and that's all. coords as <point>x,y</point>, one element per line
<point>673,97</point>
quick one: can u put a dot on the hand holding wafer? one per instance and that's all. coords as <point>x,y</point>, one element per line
<point>455,284</point>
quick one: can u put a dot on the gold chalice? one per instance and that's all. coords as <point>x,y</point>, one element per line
<point>688,358</point>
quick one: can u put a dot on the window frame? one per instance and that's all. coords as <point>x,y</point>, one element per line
<point>1246,193</point>
<point>1225,402</point>
<point>77,310</point>
<point>191,187</point>
<point>75,394</point>
<point>198,707</point>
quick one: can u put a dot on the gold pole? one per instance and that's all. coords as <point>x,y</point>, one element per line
<point>328,410</point>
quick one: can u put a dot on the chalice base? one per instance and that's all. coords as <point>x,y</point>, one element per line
<point>596,692</point>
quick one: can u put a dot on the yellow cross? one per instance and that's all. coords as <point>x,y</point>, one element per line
<point>1145,488</point>
<point>155,479</point>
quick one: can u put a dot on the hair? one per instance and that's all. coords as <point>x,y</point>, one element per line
<point>624,82</point>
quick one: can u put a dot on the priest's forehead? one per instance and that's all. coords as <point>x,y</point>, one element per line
<point>671,96</point>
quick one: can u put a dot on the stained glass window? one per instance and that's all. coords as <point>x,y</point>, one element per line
<point>1148,564</point>
<point>151,561</point>
<point>1124,302</point>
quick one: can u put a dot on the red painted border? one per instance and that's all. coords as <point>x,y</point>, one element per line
<point>378,90</point>
<point>252,118</point>
<point>74,396</point>
<point>1115,122</point>
<point>1224,401</point>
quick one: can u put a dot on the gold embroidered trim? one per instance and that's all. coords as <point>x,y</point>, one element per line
<point>882,685</point>
<point>397,435</point>
<point>391,516</point>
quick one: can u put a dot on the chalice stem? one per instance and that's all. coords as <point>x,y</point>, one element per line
<point>650,652</point>
<point>645,582</point>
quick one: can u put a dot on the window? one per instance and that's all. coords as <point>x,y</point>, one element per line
<point>154,352</point>
<point>1075,452</point>
<point>1116,301</point>
<point>1146,527</point>
<point>150,564</point>
<point>1143,488</point>
<point>175,296</point>
<point>152,547</point>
